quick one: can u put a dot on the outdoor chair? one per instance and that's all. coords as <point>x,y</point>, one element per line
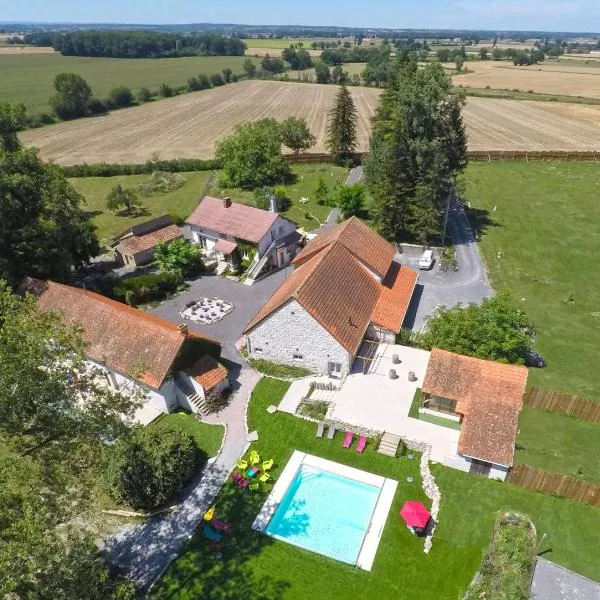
<point>362,442</point>
<point>268,464</point>
<point>320,428</point>
<point>348,439</point>
<point>264,477</point>
<point>254,457</point>
<point>331,432</point>
<point>254,487</point>
<point>241,464</point>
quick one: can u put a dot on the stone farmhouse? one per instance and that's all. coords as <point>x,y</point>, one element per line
<point>232,232</point>
<point>137,246</point>
<point>486,397</point>
<point>345,289</point>
<point>135,351</point>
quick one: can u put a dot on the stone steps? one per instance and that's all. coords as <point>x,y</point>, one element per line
<point>323,396</point>
<point>389,444</point>
<point>199,403</point>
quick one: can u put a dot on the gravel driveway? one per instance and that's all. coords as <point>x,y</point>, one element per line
<point>435,287</point>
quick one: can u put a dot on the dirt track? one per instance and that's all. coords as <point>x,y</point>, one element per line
<point>189,125</point>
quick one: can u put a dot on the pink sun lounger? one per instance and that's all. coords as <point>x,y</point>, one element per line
<point>362,442</point>
<point>220,525</point>
<point>348,439</point>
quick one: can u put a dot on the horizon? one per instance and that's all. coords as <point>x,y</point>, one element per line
<point>559,16</point>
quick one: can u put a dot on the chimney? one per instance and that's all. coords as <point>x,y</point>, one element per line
<point>227,202</point>
<point>273,204</point>
<point>183,328</point>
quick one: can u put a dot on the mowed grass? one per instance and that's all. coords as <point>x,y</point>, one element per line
<point>207,437</point>
<point>307,215</point>
<point>180,202</point>
<point>558,443</point>
<point>541,241</point>
<point>29,78</point>
<point>255,566</point>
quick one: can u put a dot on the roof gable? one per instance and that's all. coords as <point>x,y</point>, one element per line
<point>359,239</point>
<point>237,220</point>
<point>335,290</point>
<point>133,244</point>
<point>115,335</point>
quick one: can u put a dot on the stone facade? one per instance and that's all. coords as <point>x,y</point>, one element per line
<point>290,331</point>
<point>384,336</point>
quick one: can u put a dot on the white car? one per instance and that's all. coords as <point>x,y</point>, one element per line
<point>426,260</point>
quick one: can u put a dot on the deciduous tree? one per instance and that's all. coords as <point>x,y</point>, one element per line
<point>12,119</point>
<point>350,199</point>
<point>178,255</point>
<point>296,135</point>
<point>43,231</point>
<point>249,68</point>
<point>341,131</point>
<point>251,156</point>
<point>71,97</point>
<point>495,330</point>
<point>123,198</point>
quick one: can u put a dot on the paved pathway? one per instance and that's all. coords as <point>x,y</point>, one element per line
<point>468,284</point>
<point>145,550</point>
<point>553,582</point>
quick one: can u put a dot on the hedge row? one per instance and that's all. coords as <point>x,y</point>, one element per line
<point>176,165</point>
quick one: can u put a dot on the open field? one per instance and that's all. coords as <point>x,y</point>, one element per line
<point>546,78</point>
<point>180,202</point>
<point>542,219</point>
<point>285,43</point>
<point>29,78</point>
<point>25,50</point>
<point>189,125</point>
<point>257,566</point>
<point>260,52</point>
<point>350,68</point>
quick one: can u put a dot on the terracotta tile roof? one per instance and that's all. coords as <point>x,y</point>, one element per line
<point>225,246</point>
<point>138,243</point>
<point>359,239</point>
<point>208,372</point>
<point>394,298</point>
<point>116,335</point>
<point>489,395</point>
<point>335,290</point>
<point>238,220</point>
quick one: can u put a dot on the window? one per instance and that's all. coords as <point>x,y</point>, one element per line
<point>257,350</point>
<point>335,369</point>
<point>298,356</point>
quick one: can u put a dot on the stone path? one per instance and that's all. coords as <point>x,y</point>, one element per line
<point>145,551</point>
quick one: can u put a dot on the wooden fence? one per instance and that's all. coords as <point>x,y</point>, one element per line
<point>557,402</point>
<point>475,155</point>
<point>538,480</point>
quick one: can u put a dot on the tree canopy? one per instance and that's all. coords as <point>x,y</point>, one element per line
<point>350,199</point>
<point>123,198</point>
<point>43,231</point>
<point>417,149</point>
<point>495,330</point>
<point>72,94</point>
<point>251,156</point>
<point>149,466</point>
<point>12,119</point>
<point>341,131</point>
<point>178,255</point>
<point>296,135</point>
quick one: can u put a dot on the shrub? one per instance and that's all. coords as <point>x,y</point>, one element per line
<point>147,288</point>
<point>278,369</point>
<point>40,119</point>
<point>109,170</point>
<point>165,90</point>
<point>217,79</point>
<point>161,182</point>
<point>149,466</point>
<point>144,95</point>
<point>121,96</point>
<point>96,107</point>
<point>315,410</point>
<point>204,82</point>
<point>216,401</point>
<point>179,256</point>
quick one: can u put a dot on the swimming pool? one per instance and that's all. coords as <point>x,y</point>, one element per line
<point>328,508</point>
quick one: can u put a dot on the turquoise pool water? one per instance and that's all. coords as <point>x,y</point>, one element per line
<point>325,513</point>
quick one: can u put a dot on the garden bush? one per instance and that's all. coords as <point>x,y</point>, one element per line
<point>278,369</point>
<point>147,288</point>
<point>176,165</point>
<point>161,182</point>
<point>148,467</point>
<point>315,410</point>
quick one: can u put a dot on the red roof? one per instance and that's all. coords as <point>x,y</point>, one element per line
<point>208,372</point>
<point>133,244</point>
<point>488,394</point>
<point>394,298</point>
<point>335,289</point>
<point>359,239</point>
<point>115,334</point>
<point>225,246</point>
<point>415,514</point>
<point>237,220</point>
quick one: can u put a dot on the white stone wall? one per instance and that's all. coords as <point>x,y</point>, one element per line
<point>290,330</point>
<point>498,472</point>
<point>463,463</point>
<point>279,228</point>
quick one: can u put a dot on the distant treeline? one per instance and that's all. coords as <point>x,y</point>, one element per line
<point>137,44</point>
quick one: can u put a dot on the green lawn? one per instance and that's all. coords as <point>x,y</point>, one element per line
<point>558,443</point>
<point>29,78</point>
<point>180,202</point>
<point>545,228</point>
<point>207,437</point>
<point>254,566</point>
<point>304,186</point>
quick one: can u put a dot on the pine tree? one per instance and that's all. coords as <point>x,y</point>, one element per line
<point>341,133</point>
<point>417,148</point>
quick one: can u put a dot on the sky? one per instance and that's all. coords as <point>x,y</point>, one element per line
<point>539,15</point>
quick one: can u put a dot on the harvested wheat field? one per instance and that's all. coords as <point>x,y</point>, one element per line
<point>189,125</point>
<point>544,78</point>
<point>27,50</point>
